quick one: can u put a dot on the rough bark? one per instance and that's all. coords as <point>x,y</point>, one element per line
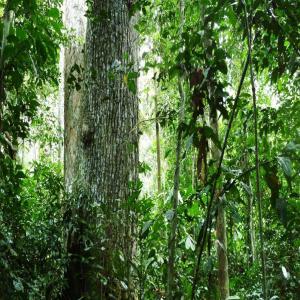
<point>75,22</point>
<point>104,162</point>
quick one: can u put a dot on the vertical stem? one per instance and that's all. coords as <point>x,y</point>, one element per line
<point>158,153</point>
<point>174,221</point>
<point>249,219</point>
<point>258,188</point>
<point>202,237</point>
<point>251,236</point>
<point>211,288</point>
<point>7,18</point>
<point>223,277</point>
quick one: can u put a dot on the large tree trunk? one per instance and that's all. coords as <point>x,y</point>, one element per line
<point>105,163</point>
<point>73,55</point>
<point>75,22</point>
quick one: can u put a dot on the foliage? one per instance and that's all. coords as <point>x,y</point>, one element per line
<point>34,212</point>
<point>32,257</point>
<point>30,199</point>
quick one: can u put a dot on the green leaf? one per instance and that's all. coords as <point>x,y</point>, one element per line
<point>285,273</point>
<point>53,12</point>
<point>132,86</point>
<point>145,229</point>
<point>124,285</point>
<point>189,243</point>
<point>291,146</point>
<point>169,214</point>
<point>286,165</point>
<point>245,95</point>
<point>144,168</point>
<point>21,34</point>
<point>210,134</point>
<point>189,142</point>
<point>194,210</point>
<point>247,189</point>
<point>18,285</point>
<point>222,66</point>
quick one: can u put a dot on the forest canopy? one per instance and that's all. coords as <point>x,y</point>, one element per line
<point>149,149</point>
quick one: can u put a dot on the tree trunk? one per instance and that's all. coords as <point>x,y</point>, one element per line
<point>75,22</point>
<point>223,276</point>
<point>250,229</point>
<point>222,253</point>
<point>171,276</point>
<point>158,152</point>
<point>104,164</point>
<point>171,288</point>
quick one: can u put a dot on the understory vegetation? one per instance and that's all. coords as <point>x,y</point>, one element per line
<point>206,92</point>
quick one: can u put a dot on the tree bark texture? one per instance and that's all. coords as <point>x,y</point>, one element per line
<point>73,54</point>
<point>107,148</point>
<point>101,153</point>
<point>75,22</point>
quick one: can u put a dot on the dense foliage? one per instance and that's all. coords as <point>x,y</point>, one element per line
<point>196,54</point>
<point>30,197</point>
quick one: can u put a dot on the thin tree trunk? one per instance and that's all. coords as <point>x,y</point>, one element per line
<point>250,242</point>
<point>194,169</point>
<point>251,229</point>
<point>223,277</point>
<point>210,281</point>
<point>249,222</point>
<point>257,171</point>
<point>222,253</point>
<point>171,288</point>
<point>158,152</point>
